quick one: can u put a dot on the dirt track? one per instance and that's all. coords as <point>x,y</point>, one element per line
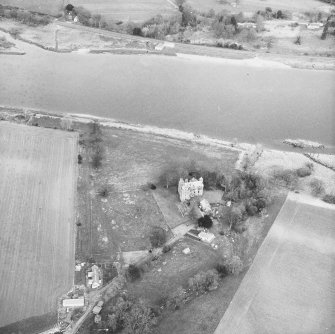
<point>37,190</point>
<point>290,286</point>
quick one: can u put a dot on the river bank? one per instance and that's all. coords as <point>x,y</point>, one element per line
<point>64,37</point>
<point>266,160</point>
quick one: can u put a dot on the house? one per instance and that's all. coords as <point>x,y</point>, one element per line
<point>94,277</point>
<point>206,237</point>
<point>188,189</point>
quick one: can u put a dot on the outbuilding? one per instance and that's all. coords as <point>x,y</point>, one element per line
<point>73,302</point>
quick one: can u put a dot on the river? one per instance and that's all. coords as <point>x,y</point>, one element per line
<point>216,98</point>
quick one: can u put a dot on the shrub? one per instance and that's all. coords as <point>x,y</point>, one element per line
<point>317,187</point>
<point>166,248</point>
<point>205,221</point>
<point>235,216</point>
<point>104,191</point>
<point>114,287</point>
<point>304,171</point>
<point>188,18</point>
<point>251,209</point>
<point>247,35</point>
<point>132,315</point>
<point>234,265</point>
<point>137,31</point>
<point>157,237</point>
<point>222,30</point>
<point>83,15</point>
<point>204,281</point>
<point>298,40</point>
<point>15,32</point>
<point>133,272</point>
<point>328,198</point>
<point>80,159</point>
<point>286,177</point>
<point>152,186</point>
<point>4,44</point>
<point>97,157</point>
<point>239,228</point>
<point>261,204</point>
<point>222,269</point>
<point>177,298</point>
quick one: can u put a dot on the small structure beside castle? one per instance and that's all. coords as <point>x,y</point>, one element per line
<point>188,189</point>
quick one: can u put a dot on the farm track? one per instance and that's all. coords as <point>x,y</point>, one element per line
<point>37,183</point>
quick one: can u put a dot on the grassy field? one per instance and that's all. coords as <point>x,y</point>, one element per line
<point>290,286</point>
<point>37,183</point>
<point>124,10</point>
<point>122,221</point>
<point>254,5</point>
<point>52,7</point>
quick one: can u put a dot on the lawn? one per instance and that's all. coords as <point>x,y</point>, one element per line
<point>52,7</point>
<point>125,10</point>
<point>38,176</point>
<point>290,285</point>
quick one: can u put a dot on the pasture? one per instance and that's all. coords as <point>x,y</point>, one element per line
<point>254,5</point>
<point>52,7</point>
<point>132,10</point>
<point>290,285</point>
<point>38,176</point>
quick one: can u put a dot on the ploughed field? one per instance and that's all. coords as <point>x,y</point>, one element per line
<point>124,10</point>
<point>290,287</point>
<point>38,176</point>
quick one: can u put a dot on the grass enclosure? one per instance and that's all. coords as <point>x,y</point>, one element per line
<point>37,183</point>
<point>122,220</point>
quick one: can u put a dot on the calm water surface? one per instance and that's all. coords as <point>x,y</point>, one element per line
<point>253,104</point>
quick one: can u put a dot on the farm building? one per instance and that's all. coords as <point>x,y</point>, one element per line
<point>188,189</point>
<point>74,302</point>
